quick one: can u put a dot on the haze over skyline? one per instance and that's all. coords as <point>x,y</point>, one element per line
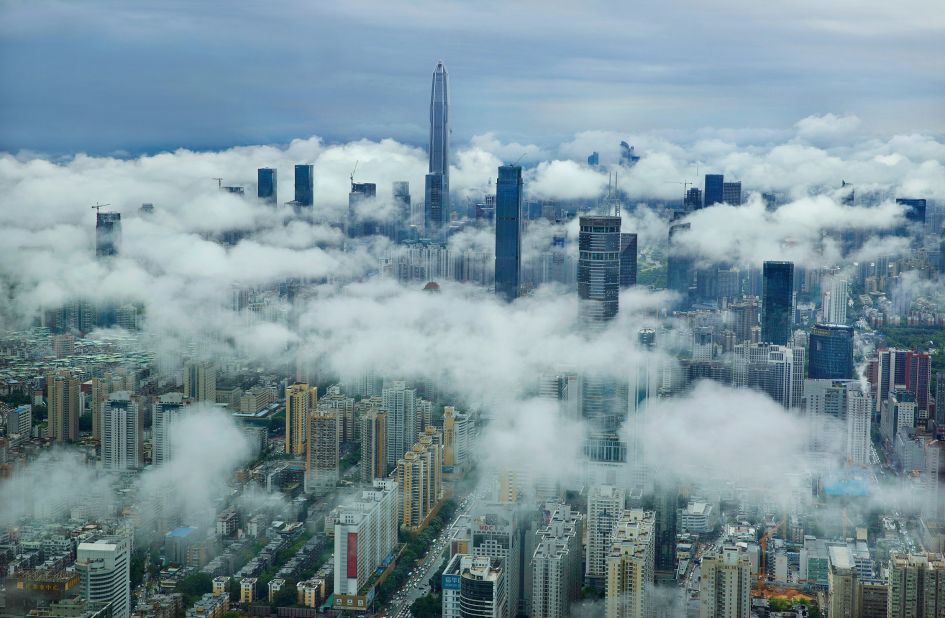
<point>212,75</point>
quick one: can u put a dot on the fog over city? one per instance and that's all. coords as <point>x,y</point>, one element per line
<point>437,316</point>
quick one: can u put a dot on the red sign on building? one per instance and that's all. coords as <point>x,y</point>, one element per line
<point>353,555</point>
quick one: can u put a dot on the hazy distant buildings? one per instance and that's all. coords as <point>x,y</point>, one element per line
<point>304,185</point>
<point>725,587</point>
<point>361,222</point>
<point>830,354</point>
<point>839,414</point>
<point>630,566</point>
<point>107,233</point>
<point>714,189</point>
<point>678,265</point>
<point>437,183</point>
<point>266,185</point>
<point>122,428</point>
<point>401,225</point>
<point>777,308</point>
<point>509,226</point>
<point>104,568</point>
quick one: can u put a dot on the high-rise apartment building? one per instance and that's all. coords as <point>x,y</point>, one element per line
<point>841,582</point>
<point>834,300</point>
<point>400,403</point>
<point>628,259</point>
<point>122,428</point>
<point>891,373</point>
<point>107,233</point>
<point>777,308</point>
<point>436,206</point>
<point>556,563</point>
<point>509,226</point>
<point>830,355</point>
<point>266,185</point>
<point>63,407</point>
<point>604,506</point>
<point>322,450</point>
<point>475,586</point>
<point>300,400</point>
<point>419,476</point>
<point>304,185</point>
<point>916,585</point>
<point>770,369</point>
<point>457,437</point>
<point>200,382</point>
<point>164,415</point>
<point>104,568</point>
<point>725,587</point>
<point>365,535</point>
<point>898,414</point>
<point>373,445</point>
<point>714,187</point>
<point>732,193</point>
<point>919,380</point>
<point>630,566</point>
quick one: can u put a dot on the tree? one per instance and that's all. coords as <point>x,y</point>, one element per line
<point>428,606</point>
<point>287,596</point>
<point>195,585</point>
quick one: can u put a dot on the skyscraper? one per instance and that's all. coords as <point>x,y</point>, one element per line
<point>373,445</point>
<point>598,270</point>
<point>604,506</point>
<point>402,220</point>
<point>713,189</point>
<point>322,450</point>
<point>436,206</point>
<point>678,265</point>
<point>360,222</point>
<point>63,407</point>
<point>628,259</point>
<point>831,352</point>
<point>834,301</point>
<point>693,199</point>
<point>121,433</point>
<point>915,209</point>
<point>107,233</point>
<point>508,232</point>
<point>777,308</point>
<point>266,185</point>
<point>104,568</point>
<point>304,185</point>
<point>556,563</point>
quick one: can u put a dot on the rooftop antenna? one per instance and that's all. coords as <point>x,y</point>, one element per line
<point>98,207</point>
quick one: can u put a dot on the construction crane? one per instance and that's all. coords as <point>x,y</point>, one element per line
<point>219,181</point>
<point>98,207</point>
<point>353,172</point>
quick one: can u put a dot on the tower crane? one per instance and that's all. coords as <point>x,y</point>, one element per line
<point>98,207</point>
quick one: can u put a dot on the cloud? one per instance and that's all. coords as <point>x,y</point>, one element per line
<point>827,129</point>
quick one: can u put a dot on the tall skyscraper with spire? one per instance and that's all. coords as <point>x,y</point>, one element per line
<point>436,205</point>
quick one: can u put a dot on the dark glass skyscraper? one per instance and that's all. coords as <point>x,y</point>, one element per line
<point>266,185</point>
<point>400,226</point>
<point>732,193</point>
<point>599,269</point>
<point>777,302</point>
<point>436,205</point>
<point>107,233</point>
<point>830,355</point>
<point>359,224</point>
<point>304,185</point>
<point>628,260</point>
<point>915,209</point>
<point>508,232</point>
<point>713,189</point>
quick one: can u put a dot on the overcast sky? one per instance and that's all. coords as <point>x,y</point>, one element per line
<point>106,76</point>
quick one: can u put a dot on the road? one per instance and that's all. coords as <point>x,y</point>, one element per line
<point>419,584</point>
